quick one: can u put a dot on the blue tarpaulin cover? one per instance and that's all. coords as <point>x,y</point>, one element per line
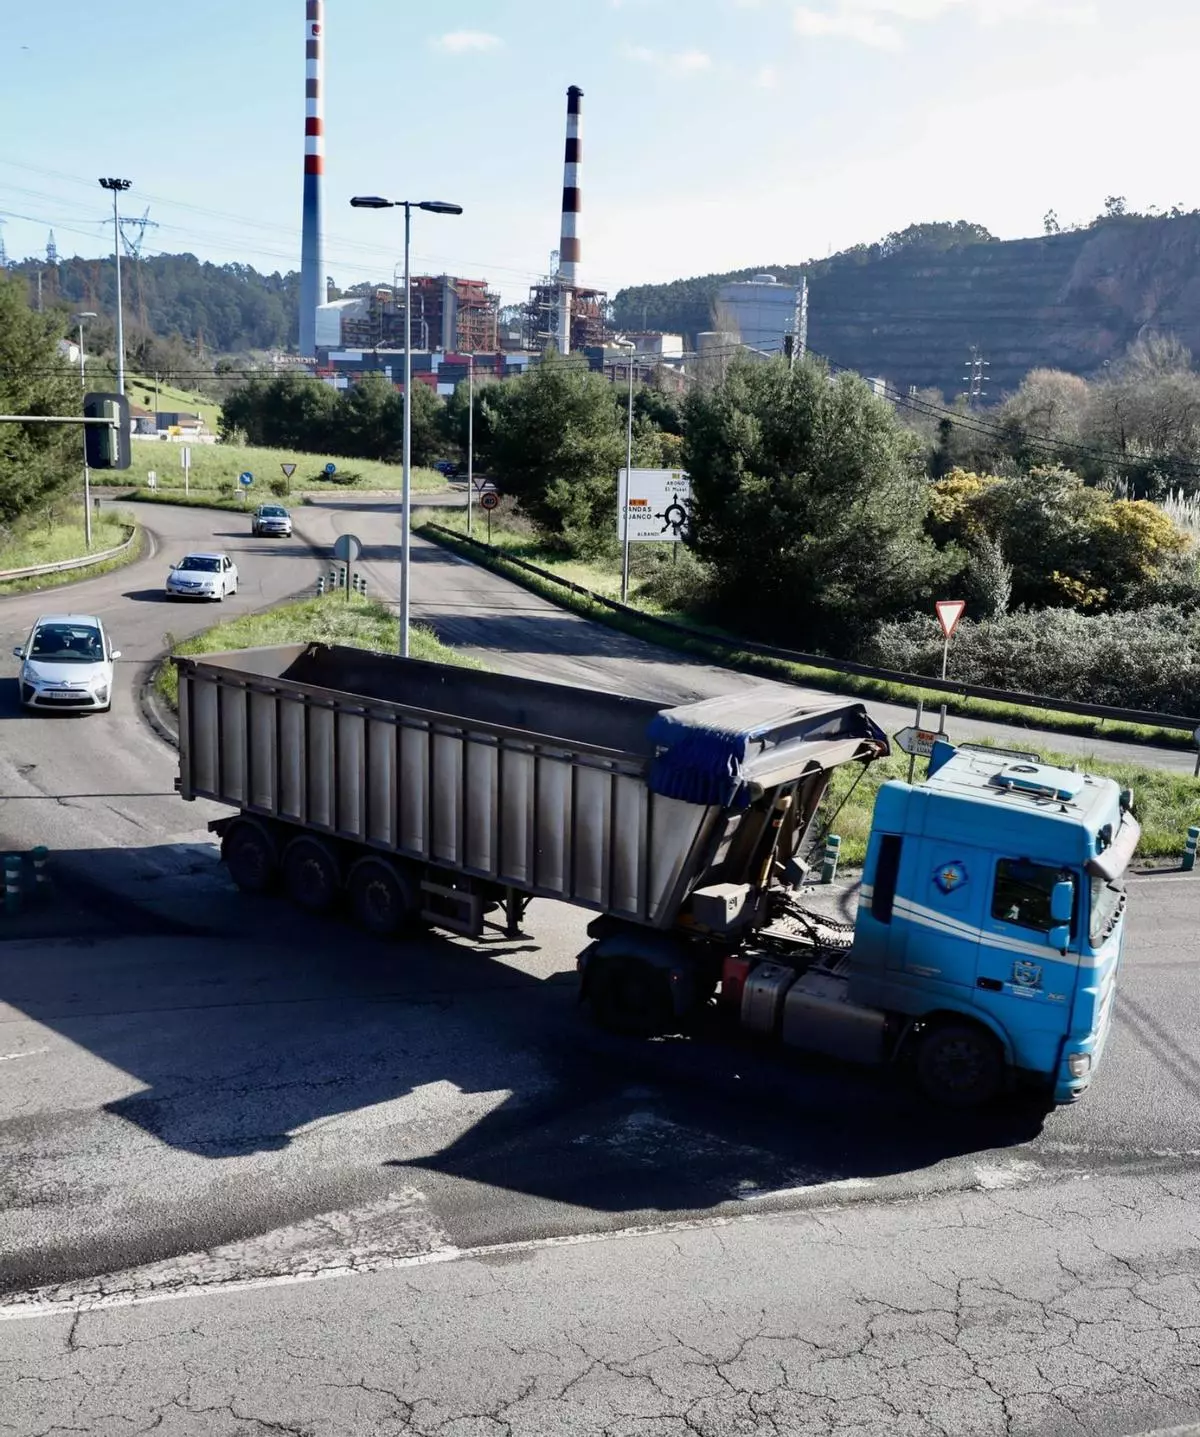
<point>697,765</point>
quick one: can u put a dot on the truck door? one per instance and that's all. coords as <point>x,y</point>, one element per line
<point>940,899</point>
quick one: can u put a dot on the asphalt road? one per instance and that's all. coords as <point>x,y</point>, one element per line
<point>209,1103</point>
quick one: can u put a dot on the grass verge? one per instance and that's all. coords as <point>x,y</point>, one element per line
<point>359,624</point>
<point>215,465</point>
<point>1164,803</point>
<point>724,649</point>
<point>209,500</point>
<point>63,539</point>
<point>172,400</point>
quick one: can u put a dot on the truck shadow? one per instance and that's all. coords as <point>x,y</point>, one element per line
<point>242,1024</point>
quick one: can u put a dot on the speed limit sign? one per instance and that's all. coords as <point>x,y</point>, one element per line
<point>489,499</point>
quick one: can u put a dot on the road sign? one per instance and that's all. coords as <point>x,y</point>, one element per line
<point>185,455</point>
<point>483,485</point>
<point>949,612</point>
<point>347,548</point>
<point>151,480</point>
<point>245,478</point>
<point>917,742</point>
<point>656,503</point>
<point>489,499</point>
<point>288,470</point>
<point>331,469</point>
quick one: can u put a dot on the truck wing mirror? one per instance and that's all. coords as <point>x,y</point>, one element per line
<point>1062,901</point>
<point>1059,937</point>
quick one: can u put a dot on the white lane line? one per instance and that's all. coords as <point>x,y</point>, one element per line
<point>28,1053</point>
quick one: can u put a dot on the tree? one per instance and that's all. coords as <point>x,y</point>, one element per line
<point>556,442</point>
<point>284,413</point>
<point>989,578</point>
<point>36,460</point>
<point>809,500</point>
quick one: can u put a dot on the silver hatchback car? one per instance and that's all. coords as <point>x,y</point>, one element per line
<point>271,519</point>
<point>67,663</point>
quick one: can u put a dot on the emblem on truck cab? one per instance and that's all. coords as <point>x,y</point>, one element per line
<point>949,876</point>
<point>1026,974</point>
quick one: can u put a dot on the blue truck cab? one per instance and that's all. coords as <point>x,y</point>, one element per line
<point>991,918</point>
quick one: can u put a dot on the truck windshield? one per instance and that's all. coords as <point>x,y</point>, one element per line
<point>1107,902</point>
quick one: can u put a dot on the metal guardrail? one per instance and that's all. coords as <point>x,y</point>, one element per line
<point>65,565</point>
<point>820,661</point>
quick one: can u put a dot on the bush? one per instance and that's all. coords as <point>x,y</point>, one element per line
<point>280,487</point>
<point>1143,659</point>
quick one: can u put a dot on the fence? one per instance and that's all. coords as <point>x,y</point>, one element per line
<point>63,566</point>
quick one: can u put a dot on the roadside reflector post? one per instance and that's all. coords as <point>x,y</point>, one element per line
<point>833,849</point>
<point>12,883</point>
<point>41,875</point>
<point>320,585</point>
<point>1189,848</point>
<point>912,758</point>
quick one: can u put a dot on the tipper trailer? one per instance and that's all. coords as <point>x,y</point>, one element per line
<point>990,917</point>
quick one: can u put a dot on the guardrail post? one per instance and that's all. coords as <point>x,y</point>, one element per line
<point>12,883</point>
<point>833,850</point>
<point>41,874</point>
<point>1189,848</point>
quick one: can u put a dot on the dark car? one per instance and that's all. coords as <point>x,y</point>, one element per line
<point>448,468</point>
<point>272,519</point>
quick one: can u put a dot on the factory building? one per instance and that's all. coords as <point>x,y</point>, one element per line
<point>457,316</point>
<point>440,371</point>
<point>761,311</point>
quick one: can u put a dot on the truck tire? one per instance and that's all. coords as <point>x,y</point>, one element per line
<point>630,996</point>
<point>250,854</point>
<point>959,1065</point>
<point>383,900</point>
<point>311,875</point>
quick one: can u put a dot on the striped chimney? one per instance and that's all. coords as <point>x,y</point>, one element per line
<point>312,251</point>
<point>568,245</point>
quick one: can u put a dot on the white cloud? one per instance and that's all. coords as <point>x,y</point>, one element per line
<point>639,54</point>
<point>680,62</point>
<point>688,62</point>
<point>846,25</point>
<point>461,42</point>
<point>767,77</point>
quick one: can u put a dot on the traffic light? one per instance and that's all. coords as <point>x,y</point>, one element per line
<point>106,446</point>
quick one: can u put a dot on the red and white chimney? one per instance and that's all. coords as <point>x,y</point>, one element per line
<point>568,244</point>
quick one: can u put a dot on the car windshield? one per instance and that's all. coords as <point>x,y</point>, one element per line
<point>1108,899</point>
<point>67,644</point>
<point>201,563</point>
<point>273,511</point>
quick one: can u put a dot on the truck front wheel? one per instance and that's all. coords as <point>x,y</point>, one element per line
<point>310,872</point>
<point>959,1065</point>
<point>630,996</point>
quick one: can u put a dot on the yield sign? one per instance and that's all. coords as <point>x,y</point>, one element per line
<point>949,612</point>
<point>288,470</point>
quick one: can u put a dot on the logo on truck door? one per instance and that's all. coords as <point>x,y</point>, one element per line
<point>950,876</point>
<point>1026,974</point>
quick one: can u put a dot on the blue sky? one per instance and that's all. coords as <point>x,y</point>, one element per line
<point>717,133</point>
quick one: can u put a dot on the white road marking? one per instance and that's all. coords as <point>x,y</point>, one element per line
<point>28,1053</point>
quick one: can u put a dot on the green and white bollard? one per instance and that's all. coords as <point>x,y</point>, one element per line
<point>41,873</point>
<point>833,849</point>
<point>320,586</point>
<point>12,883</point>
<point>1189,848</point>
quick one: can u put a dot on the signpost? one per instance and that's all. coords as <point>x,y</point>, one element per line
<point>185,458</point>
<point>488,501</point>
<point>245,479</point>
<point>330,469</point>
<point>346,550</point>
<point>288,471</point>
<point>949,615</point>
<point>1196,740</point>
<point>151,480</point>
<point>916,740</point>
<point>652,506</point>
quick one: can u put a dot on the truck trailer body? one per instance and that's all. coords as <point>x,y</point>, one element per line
<point>422,792</point>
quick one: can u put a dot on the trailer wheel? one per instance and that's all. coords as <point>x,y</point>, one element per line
<point>249,853</point>
<point>382,900</point>
<point>959,1065</point>
<point>627,995</point>
<point>311,875</point>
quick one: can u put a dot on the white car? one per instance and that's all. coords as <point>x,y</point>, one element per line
<point>67,663</point>
<point>202,576</point>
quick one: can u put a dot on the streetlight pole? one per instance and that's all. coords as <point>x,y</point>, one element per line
<point>87,478</point>
<point>118,187</point>
<point>632,348</point>
<point>437,207</point>
<point>470,439</point>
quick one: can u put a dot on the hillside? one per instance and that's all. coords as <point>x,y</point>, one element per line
<point>911,311</point>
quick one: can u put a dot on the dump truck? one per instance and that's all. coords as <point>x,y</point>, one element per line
<point>986,935</point>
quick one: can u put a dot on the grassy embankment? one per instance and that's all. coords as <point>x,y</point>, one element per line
<point>215,469</point>
<point>172,400</point>
<point>723,648</point>
<point>360,624</point>
<point>62,538</point>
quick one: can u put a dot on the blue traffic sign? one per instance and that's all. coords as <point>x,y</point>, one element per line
<point>246,478</point>
<point>331,468</point>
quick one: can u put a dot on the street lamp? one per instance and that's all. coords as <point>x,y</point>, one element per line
<point>632,348</point>
<point>87,484</point>
<point>118,187</point>
<point>434,207</point>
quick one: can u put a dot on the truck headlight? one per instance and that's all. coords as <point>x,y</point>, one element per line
<point>1079,1065</point>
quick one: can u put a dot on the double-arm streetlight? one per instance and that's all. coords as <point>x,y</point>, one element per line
<point>118,187</point>
<point>87,486</point>
<point>436,207</point>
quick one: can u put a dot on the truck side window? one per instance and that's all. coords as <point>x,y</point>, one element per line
<point>1022,893</point>
<point>883,895</point>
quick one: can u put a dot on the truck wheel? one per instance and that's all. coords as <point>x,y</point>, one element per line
<point>310,873</point>
<point>249,853</point>
<point>382,900</point>
<point>627,995</point>
<point>959,1065</point>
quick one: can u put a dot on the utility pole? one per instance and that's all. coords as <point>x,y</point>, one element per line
<point>118,187</point>
<point>470,438</point>
<point>87,485</point>
<point>974,378</point>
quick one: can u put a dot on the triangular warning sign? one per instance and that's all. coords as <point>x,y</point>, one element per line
<point>949,612</point>
<point>288,470</point>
